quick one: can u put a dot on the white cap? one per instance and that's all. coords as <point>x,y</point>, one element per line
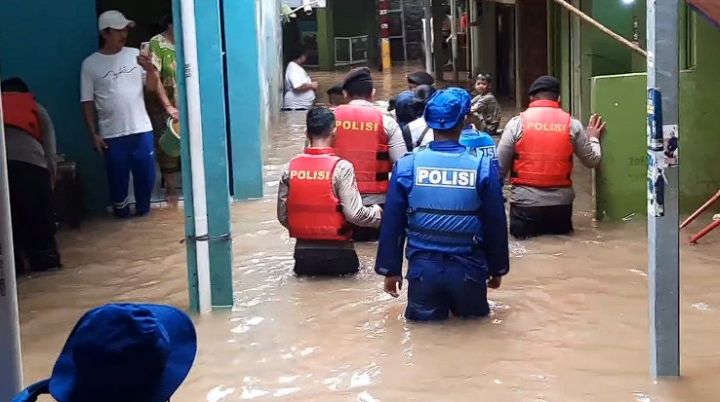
<point>114,19</point>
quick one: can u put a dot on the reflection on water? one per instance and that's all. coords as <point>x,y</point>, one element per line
<point>569,324</point>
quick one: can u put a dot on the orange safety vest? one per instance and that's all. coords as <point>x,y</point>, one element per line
<point>544,154</point>
<point>314,211</point>
<point>21,111</point>
<point>361,139</point>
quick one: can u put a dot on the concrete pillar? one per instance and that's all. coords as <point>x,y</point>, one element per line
<point>663,82</point>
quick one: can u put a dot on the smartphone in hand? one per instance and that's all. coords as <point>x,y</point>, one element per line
<point>145,49</point>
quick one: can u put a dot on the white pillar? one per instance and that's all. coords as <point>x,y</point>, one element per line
<point>197,165</point>
<point>474,38</point>
<point>10,357</point>
<point>427,31</point>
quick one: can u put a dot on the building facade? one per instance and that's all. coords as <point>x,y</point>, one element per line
<point>48,55</point>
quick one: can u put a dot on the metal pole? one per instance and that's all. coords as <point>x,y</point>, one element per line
<point>474,39</point>
<point>576,60</point>
<point>10,357</point>
<point>699,235</point>
<point>404,31</point>
<point>438,18</point>
<point>453,39</point>
<point>700,210</point>
<point>383,9</point>
<point>427,30</point>
<point>663,181</point>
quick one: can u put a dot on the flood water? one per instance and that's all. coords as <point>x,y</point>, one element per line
<point>569,324</point>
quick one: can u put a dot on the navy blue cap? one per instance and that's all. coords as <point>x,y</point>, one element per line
<point>120,353</point>
<point>447,109</point>
<point>358,74</point>
<point>546,83</point>
<point>420,78</point>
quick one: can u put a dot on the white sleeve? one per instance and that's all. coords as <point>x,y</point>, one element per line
<point>396,141</point>
<point>87,86</point>
<point>296,76</point>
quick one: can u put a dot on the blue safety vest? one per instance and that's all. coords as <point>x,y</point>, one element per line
<point>483,143</point>
<point>479,140</point>
<point>444,202</point>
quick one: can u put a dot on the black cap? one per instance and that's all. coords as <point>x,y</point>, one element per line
<point>336,89</point>
<point>359,74</point>
<point>546,83</point>
<point>420,78</point>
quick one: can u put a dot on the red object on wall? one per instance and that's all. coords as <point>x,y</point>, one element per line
<point>383,9</point>
<point>708,8</point>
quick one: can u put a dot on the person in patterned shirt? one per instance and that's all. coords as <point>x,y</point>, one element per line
<point>162,52</point>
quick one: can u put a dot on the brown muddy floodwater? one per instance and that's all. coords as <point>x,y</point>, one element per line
<point>569,324</point>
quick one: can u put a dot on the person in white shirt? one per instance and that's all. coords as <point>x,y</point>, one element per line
<point>111,90</point>
<point>417,133</point>
<point>299,87</point>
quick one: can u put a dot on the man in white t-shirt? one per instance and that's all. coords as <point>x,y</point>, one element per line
<point>111,87</point>
<point>417,132</point>
<point>420,133</point>
<point>299,87</point>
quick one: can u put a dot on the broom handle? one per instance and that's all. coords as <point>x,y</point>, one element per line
<point>601,27</point>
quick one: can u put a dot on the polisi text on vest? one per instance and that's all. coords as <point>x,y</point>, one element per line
<point>445,177</point>
<point>310,174</point>
<point>549,127</point>
<point>356,126</point>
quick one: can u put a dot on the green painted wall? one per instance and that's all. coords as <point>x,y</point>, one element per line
<point>325,36</point>
<point>576,100</point>
<point>560,49</point>
<point>621,179</point>
<point>610,56</point>
<point>599,54</point>
<point>356,18</point>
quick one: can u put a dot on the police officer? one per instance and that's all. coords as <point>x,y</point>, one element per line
<point>317,201</point>
<point>473,138</point>
<point>483,143</point>
<point>447,201</point>
<point>30,146</point>
<point>418,78</point>
<point>335,96</point>
<point>536,149</point>
<point>369,139</point>
<point>417,132</point>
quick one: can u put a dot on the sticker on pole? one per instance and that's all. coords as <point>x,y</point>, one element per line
<point>654,121</point>
<point>656,184</point>
<point>671,142</point>
<point>657,160</point>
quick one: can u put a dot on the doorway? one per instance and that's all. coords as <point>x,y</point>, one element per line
<point>532,46</point>
<point>505,57</point>
<point>147,17</point>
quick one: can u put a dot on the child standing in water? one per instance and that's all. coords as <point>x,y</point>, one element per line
<point>484,106</point>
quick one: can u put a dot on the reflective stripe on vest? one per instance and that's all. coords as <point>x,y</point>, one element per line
<point>314,211</point>
<point>444,202</point>
<point>544,154</point>
<point>361,139</point>
<point>21,111</point>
